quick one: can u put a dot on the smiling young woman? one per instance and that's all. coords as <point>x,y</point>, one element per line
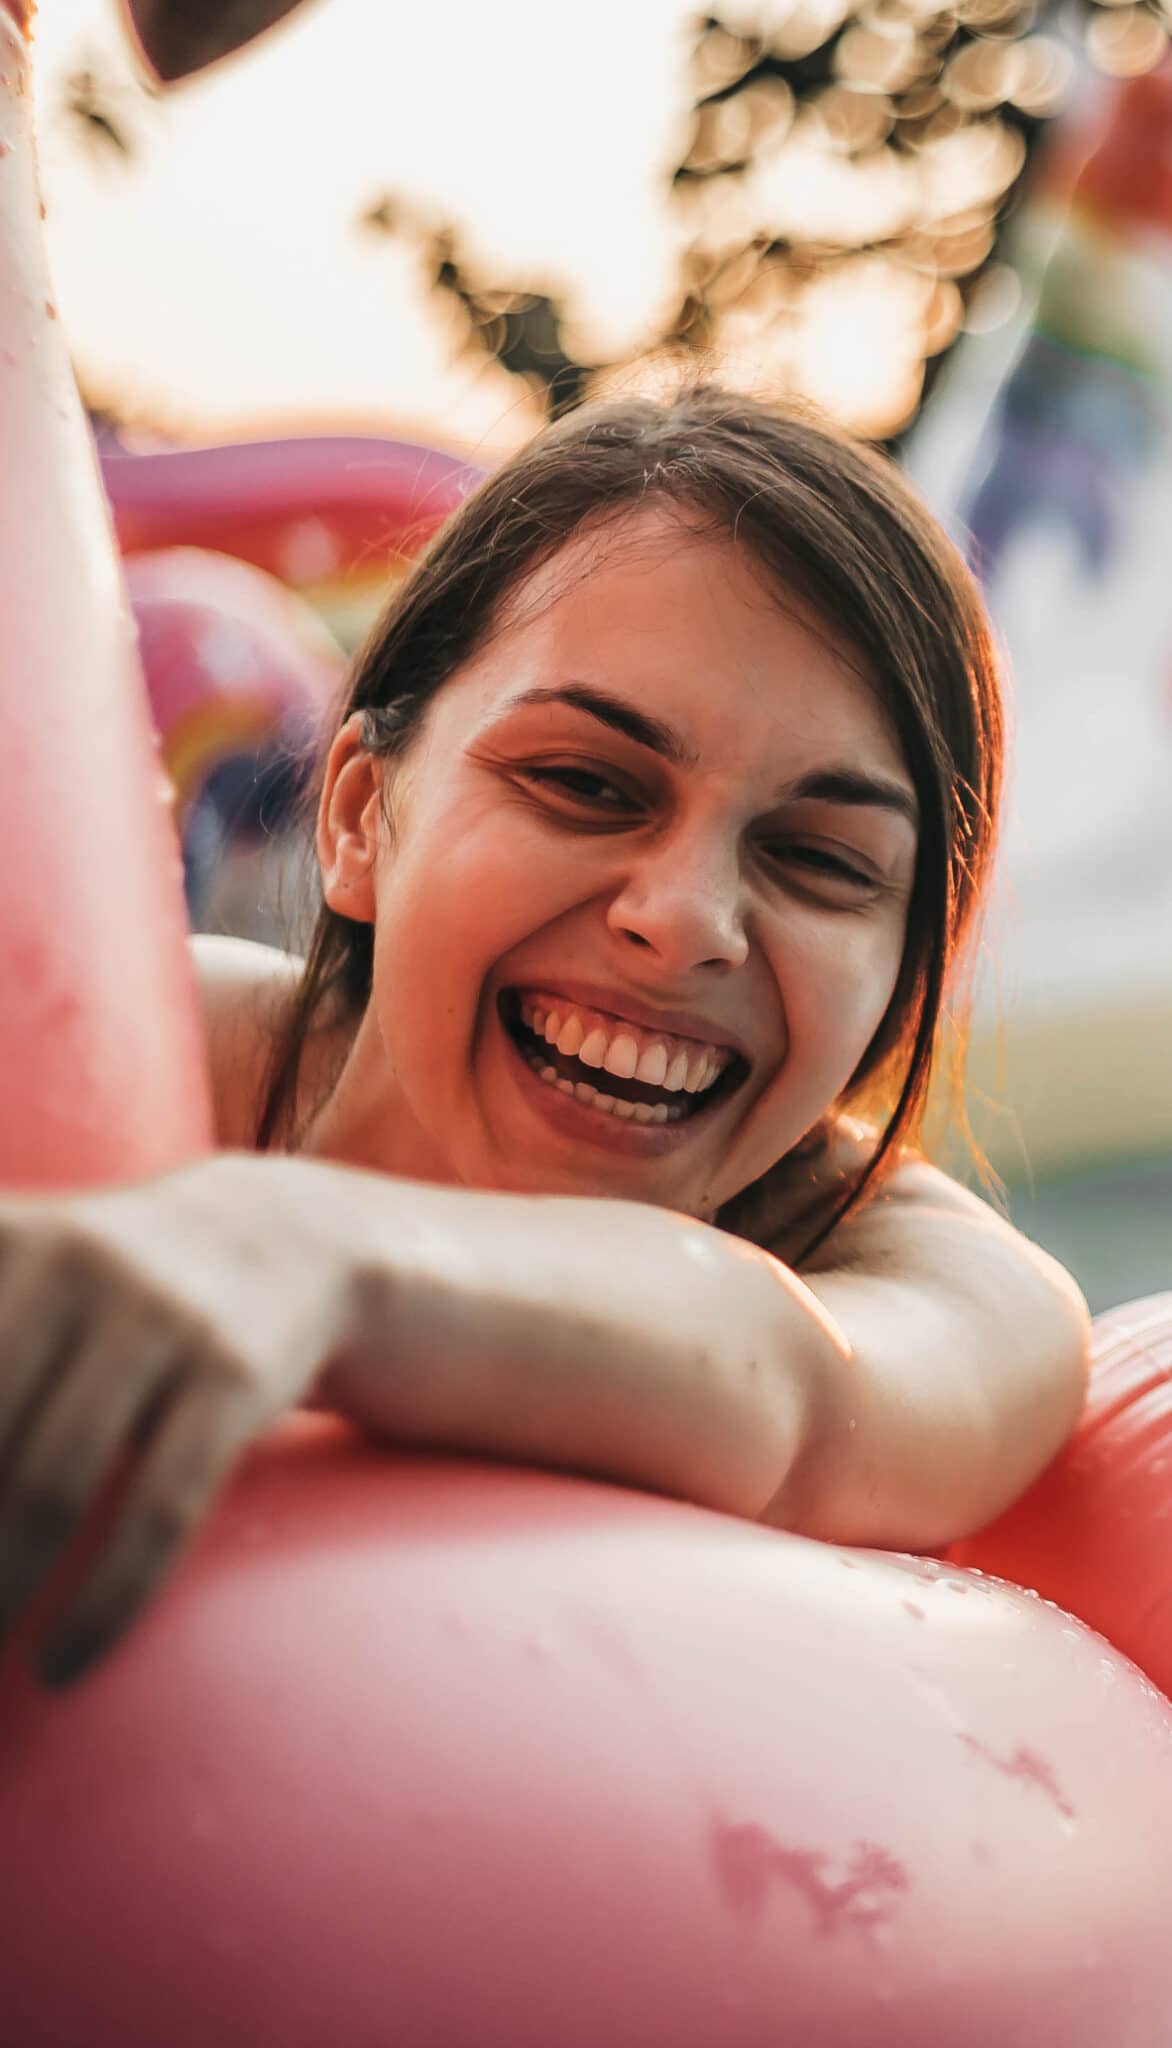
<point>655,821</point>
<point>670,867</point>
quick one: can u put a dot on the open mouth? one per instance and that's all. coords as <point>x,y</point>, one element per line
<point>629,1100</point>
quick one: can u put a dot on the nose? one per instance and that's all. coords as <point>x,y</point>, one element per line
<point>684,903</point>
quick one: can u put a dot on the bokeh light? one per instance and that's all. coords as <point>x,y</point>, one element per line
<point>822,187</point>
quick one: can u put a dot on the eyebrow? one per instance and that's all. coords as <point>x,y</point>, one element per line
<point>826,785</point>
<point>851,786</point>
<point>616,713</point>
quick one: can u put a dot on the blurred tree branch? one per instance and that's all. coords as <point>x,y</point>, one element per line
<point>840,197</point>
<point>910,126</point>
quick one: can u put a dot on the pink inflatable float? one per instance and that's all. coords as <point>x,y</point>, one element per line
<point>233,661</point>
<point>1095,1533</point>
<point>234,557</point>
<point>239,673</point>
<point>334,517</point>
<point>97,1020</point>
<point>434,1753</point>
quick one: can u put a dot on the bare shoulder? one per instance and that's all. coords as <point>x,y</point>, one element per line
<point>245,992</point>
<point>921,1249</point>
<point>966,1347</point>
<point>903,1218</point>
<point>910,1208</point>
<point>927,1255</point>
<point>919,1224</point>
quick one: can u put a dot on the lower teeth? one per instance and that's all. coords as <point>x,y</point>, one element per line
<point>610,1105</point>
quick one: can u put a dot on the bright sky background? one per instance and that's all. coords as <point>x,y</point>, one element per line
<point>219,282</point>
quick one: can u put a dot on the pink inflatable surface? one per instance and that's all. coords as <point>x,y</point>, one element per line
<point>1095,1533</point>
<point>436,1753</point>
<point>431,1753</point>
<point>234,662</point>
<point>101,1071</point>
<point>308,510</point>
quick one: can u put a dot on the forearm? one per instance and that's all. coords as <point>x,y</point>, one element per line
<point>900,1396</point>
<point>593,1335</point>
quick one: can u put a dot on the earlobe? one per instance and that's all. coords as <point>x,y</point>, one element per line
<point>350,824</point>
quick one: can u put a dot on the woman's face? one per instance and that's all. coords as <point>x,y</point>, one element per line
<point>645,902</point>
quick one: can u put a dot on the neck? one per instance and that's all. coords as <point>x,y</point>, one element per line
<point>361,1118</point>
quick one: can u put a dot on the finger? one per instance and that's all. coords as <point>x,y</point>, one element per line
<point>198,1437</point>
<point>40,1312</point>
<point>113,1379</point>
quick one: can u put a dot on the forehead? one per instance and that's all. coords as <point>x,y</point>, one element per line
<point>684,624</point>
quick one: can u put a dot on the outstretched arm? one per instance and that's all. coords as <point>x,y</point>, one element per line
<point>927,1366</point>
<point>174,1320</point>
<point>902,1394</point>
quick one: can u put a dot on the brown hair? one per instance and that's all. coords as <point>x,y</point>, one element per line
<point>832,524</point>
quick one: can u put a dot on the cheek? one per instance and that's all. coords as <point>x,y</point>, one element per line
<point>477,893</point>
<point>446,915</point>
<point>837,980</point>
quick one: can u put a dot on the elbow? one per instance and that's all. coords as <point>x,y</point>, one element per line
<point>727,1454</point>
<point>1061,1366</point>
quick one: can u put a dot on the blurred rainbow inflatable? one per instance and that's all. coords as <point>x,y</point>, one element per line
<point>250,568</point>
<point>336,518</point>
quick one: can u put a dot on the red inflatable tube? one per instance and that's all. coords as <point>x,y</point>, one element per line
<point>101,1070</point>
<point>433,1753</point>
<point>1095,1533</point>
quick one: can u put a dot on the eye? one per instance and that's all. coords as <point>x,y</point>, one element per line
<point>821,862</point>
<point>584,785</point>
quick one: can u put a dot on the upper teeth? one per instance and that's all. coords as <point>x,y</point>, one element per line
<point>624,1049</point>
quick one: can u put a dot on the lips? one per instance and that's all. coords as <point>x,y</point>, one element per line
<point>629,1009</point>
<point>686,1106</point>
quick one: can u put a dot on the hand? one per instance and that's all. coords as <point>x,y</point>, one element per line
<point>148,1332</point>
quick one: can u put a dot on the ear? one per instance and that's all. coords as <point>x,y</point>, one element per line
<point>350,824</point>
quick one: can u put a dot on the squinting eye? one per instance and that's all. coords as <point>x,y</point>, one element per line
<point>583,784</point>
<point>817,860</point>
